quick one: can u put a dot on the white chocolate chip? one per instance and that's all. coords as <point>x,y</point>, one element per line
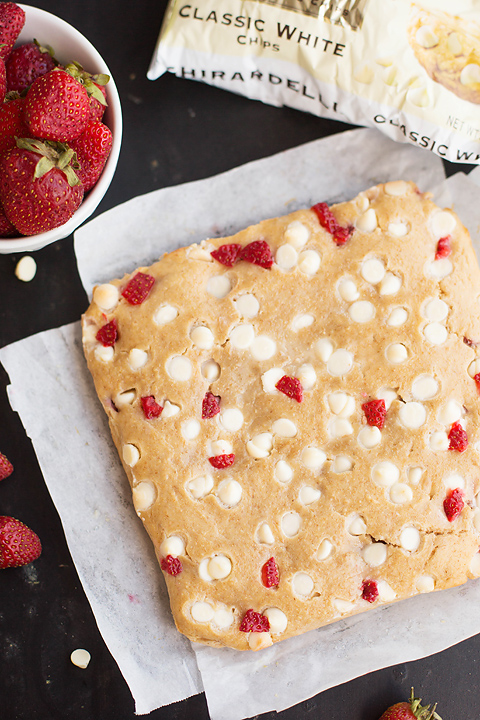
<point>284,428</point>
<point>439,269</point>
<point>286,257</point>
<point>302,584</point>
<point>260,446</point>
<point>247,305</point>
<point>325,549</point>
<point>419,96</point>
<point>340,362</point>
<point>343,606</point>
<point>364,73</point>
<point>454,44</point>
<point>90,331</point>
<point>453,480</point>
<point>425,37</point>
<point>424,387</point>
<point>390,284</point>
<point>324,349</point>
<point>414,475</point>
<point>388,395</point>
<point>297,234</point>
<point>219,567</point>
<point>124,398</point>
<point>265,534</point>
<point>219,286</point>
<point>347,290</point>
<point>165,314</point>
<point>412,415</point>
<point>219,447</point>
<point>438,441</point>
<point>172,545</point>
<point>283,472</point>
<point>229,492</point>
<point>308,495</point>
<point>190,429</point>
<point>398,229</point>
<point>375,554</point>
<point>170,409</point>
<point>424,583</point>
<point>309,262</point>
<point>474,565</point>
<point>81,658</point>
<point>385,473</point>
<point>202,612</point>
<point>143,495</point>
<point>290,524</point>
<point>368,221</point>
<point>202,337</point>
<point>398,317</point>
<point>362,202</point>
<point>210,370</point>
<point>339,427</point>
<point>302,321</point>
<point>410,539</point>
<point>307,376</point>
<point>435,333</point>
<point>435,310</point>
<point>201,252</point>
<point>357,526</point>
<point>369,437</point>
<point>385,592</point>
<point>130,454</point>
<point>104,354</point>
<point>341,464</point>
<point>341,404</point>
<point>223,617</point>
<point>470,75</point>
<point>263,348</point>
<point>26,268</point>
<point>395,188</point>
<point>270,378</point>
<point>474,367</point>
<point>259,640</point>
<point>313,458</point>
<point>276,619</point>
<point>231,419</point>
<point>362,311</point>
<point>106,296</point>
<point>396,353</point>
<point>400,493</point>
<point>242,336</point>
<point>200,486</point>
<point>179,368</point>
<point>373,270</point>
<point>450,412</point>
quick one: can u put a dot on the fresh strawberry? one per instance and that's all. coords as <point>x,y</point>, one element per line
<point>210,405</point>
<point>227,254</point>
<point>97,108</point>
<point>6,227</point>
<point>12,124</point>
<point>443,247</point>
<point>329,222</point>
<point>93,148</point>
<point>375,413</point>
<point>369,590</point>
<point>57,107</point>
<point>254,622</point>
<point>38,186</point>
<point>258,253</point>
<point>291,387</point>
<point>151,409</point>
<point>18,544</point>
<point>458,438</point>
<point>3,80</point>
<point>171,565</point>
<point>12,20</point>
<point>412,710</point>
<point>453,504</point>
<point>270,574</point>
<point>108,334</point>
<point>95,87</point>
<point>6,467</point>
<point>26,63</point>
<point>138,288</point>
<point>221,461</point>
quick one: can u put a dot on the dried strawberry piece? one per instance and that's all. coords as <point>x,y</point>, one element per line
<point>270,574</point>
<point>258,253</point>
<point>138,288</point>
<point>444,247</point>
<point>151,409</point>
<point>453,504</point>
<point>227,254</point>
<point>171,565</point>
<point>469,342</point>
<point>6,467</point>
<point>291,387</point>
<point>108,334</point>
<point>375,413</point>
<point>221,461</point>
<point>210,405</point>
<point>369,590</point>
<point>458,438</point>
<point>329,222</point>
<point>254,622</point>
<point>477,381</point>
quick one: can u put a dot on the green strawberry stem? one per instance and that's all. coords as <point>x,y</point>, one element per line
<point>53,155</point>
<point>89,81</point>
<point>422,712</point>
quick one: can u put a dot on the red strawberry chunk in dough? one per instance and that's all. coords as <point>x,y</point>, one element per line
<point>6,467</point>
<point>171,565</point>
<point>458,438</point>
<point>151,409</point>
<point>291,387</point>
<point>270,574</point>
<point>221,461</point>
<point>227,254</point>
<point>477,381</point>
<point>258,253</point>
<point>210,405</point>
<point>138,288</point>
<point>443,247</point>
<point>375,413</point>
<point>453,504</point>
<point>369,590</point>
<point>329,223</point>
<point>108,334</point>
<point>254,622</point>
<point>18,544</point>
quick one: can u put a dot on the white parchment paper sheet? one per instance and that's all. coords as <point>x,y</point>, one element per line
<point>53,392</point>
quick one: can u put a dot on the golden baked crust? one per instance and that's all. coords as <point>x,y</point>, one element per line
<point>353,514</point>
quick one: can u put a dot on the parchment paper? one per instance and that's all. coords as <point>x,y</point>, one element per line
<point>52,391</point>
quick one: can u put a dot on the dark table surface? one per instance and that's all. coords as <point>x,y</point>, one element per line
<point>174,131</point>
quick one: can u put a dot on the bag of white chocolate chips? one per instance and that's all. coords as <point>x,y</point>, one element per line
<point>410,69</point>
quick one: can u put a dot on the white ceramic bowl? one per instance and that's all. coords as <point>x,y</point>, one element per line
<point>69,45</point>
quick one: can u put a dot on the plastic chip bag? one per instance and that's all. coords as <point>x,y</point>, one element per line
<point>411,70</point>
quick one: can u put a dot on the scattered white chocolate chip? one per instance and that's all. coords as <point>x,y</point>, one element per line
<point>260,446</point>
<point>202,337</point>
<point>470,75</point>
<point>200,486</point>
<point>343,606</point>
<point>247,305</point>
<point>219,286</point>
<point>450,412</point>
<point>284,428</point>
<point>340,362</point>
<point>373,270</point>
<point>388,395</point>
<point>308,495</point>
<point>412,415</point>
<point>474,565</point>
<point>131,454</point>
<point>307,376</point>
<point>362,202</point>
<point>242,336</point>
<point>202,612</point>
<point>385,592</point>
<point>357,526</point>
<point>435,310</point>
<point>165,314</point>
<point>283,472</point>
<point>341,464</point>
<point>339,427</point>
<point>219,447</point>
<point>124,398</point>
<point>424,583</point>
<point>313,458</point>
<point>179,368</point>
<point>80,658</point>
<point>302,584</point>
<point>369,437</point>
<point>263,348</point>
<point>170,409</point>
<point>435,333</point>
<point>368,221</point>
<point>390,284</point>
<point>325,550</point>
<point>385,473</point>
<point>210,370</point>
<point>474,367</point>
<point>362,311</point>
<point>172,545</point>
<point>270,378</point>
<point>309,262</point>
<point>454,44</point>
<point>347,290</point>
<point>229,492</point>
<point>201,252</point>
<point>400,493</point>
<point>396,353</point>
<point>453,480</point>
<point>426,37</point>
<point>290,524</point>
<point>414,475</point>
<point>259,640</point>
<point>439,269</point>
<point>297,234</point>
<point>395,188</point>
<point>219,567</point>
<point>438,441</point>
<point>398,229</point>
<point>276,619</point>
<point>324,349</point>
<point>375,554</point>
<point>106,296</point>
<point>89,334</point>
<point>105,354</point>
<point>223,617</point>
<point>410,539</point>
<point>398,317</point>
<point>424,387</point>
<point>265,534</point>
<point>26,268</point>
<point>190,429</point>
<point>341,404</point>
<point>231,419</point>
<point>302,321</point>
<point>143,495</point>
<point>286,257</point>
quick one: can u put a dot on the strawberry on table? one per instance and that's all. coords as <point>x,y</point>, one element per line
<point>95,87</point>
<point>6,467</point>
<point>26,63</point>
<point>411,710</point>
<point>12,20</point>
<point>93,148</point>
<point>39,189</point>
<point>18,544</point>
<point>12,124</point>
